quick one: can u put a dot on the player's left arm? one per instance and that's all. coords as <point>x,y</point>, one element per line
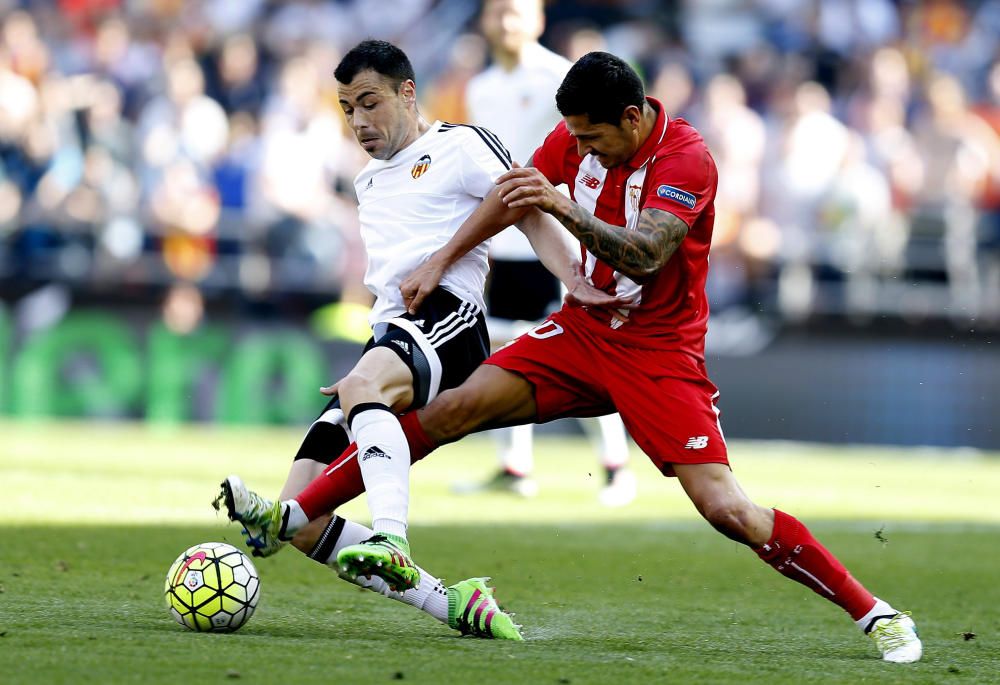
<point>638,254</point>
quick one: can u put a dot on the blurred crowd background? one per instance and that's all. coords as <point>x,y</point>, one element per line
<point>192,154</point>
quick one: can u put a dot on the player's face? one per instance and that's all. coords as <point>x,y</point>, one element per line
<point>609,144</point>
<point>510,24</point>
<point>380,116</point>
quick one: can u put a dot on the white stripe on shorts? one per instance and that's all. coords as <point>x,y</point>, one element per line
<point>433,360</point>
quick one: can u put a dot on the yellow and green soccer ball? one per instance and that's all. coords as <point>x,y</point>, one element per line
<point>212,587</point>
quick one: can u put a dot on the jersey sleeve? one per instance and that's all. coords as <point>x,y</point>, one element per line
<point>484,160</point>
<point>683,183</point>
<point>550,157</point>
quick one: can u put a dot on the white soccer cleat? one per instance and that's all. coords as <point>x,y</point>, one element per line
<point>620,489</point>
<point>897,639</point>
<point>263,520</point>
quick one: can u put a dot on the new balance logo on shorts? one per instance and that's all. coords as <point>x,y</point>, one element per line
<point>374,452</point>
<point>403,345</point>
<point>699,442</point>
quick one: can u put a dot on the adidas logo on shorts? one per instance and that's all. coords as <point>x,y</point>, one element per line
<point>374,452</point>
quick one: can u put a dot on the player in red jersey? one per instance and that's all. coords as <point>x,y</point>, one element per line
<point>642,190</point>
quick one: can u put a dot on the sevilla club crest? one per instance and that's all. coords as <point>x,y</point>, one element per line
<point>421,166</point>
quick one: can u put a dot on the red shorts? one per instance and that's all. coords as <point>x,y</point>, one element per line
<point>665,398</point>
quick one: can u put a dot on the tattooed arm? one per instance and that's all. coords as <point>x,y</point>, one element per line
<point>638,254</point>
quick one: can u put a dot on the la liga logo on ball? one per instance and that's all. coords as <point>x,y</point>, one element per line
<point>212,587</point>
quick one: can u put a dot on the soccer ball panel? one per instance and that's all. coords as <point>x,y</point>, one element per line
<point>202,623</point>
<point>241,574</point>
<point>203,595</point>
<point>211,606</point>
<point>194,580</point>
<point>253,590</point>
<point>225,575</point>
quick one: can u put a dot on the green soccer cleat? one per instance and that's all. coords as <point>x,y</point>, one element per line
<point>263,520</point>
<point>382,556</point>
<point>896,638</point>
<point>472,610</point>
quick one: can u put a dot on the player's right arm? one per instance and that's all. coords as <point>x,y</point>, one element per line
<point>547,239</point>
<point>491,217</point>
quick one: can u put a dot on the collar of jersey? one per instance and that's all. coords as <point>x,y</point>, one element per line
<point>409,149</point>
<point>648,147</point>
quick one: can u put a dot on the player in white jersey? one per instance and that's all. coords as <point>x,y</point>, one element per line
<point>423,182</point>
<point>514,98</point>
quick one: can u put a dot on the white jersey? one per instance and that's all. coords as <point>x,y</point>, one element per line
<point>412,204</point>
<point>520,107</point>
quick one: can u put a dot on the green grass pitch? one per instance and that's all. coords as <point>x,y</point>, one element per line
<point>91,516</point>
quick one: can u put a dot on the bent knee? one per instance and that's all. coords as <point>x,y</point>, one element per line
<point>737,519</point>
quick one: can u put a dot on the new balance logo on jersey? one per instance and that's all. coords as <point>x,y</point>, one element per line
<point>402,344</point>
<point>697,443</point>
<point>374,452</point>
<point>590,181</point>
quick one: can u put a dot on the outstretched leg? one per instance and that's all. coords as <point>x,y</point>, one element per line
<point>784,543</point>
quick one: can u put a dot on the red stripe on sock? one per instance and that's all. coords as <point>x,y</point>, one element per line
<point>338,484</point>
<point>796,554</point>
<point>420,444</point>
<point>341,481</point>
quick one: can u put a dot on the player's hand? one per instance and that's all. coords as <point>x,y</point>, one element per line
<point>583,294</point>
<point>329,390</point>
<point>528,187</point>
<point>418,285</point>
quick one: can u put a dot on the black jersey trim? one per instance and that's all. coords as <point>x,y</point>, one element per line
<point>488,137</point>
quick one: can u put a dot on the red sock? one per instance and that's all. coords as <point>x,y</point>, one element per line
<point>796,554</point>
<point>341,481</point>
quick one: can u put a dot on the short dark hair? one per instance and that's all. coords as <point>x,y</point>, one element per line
<point>378,55</point>
<point>601,86</point>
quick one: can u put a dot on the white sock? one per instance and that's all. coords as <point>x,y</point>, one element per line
<point>881,608</point>
<point>515,449</point>
<point>295,518</point>
<point>607,433</point>
<point>430,595</point>
<point>384,458</point>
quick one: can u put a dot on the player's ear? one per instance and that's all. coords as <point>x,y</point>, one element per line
<point>408,91</point>
<point>631,118</point>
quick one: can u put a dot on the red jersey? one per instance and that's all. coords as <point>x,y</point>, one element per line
<point>674,172</point>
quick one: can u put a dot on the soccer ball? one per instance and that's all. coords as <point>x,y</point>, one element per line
<point>212,587</point>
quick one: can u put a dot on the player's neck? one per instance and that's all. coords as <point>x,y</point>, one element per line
<point>419,128</point>
<point>508,60</point>
<point>649,117</point>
